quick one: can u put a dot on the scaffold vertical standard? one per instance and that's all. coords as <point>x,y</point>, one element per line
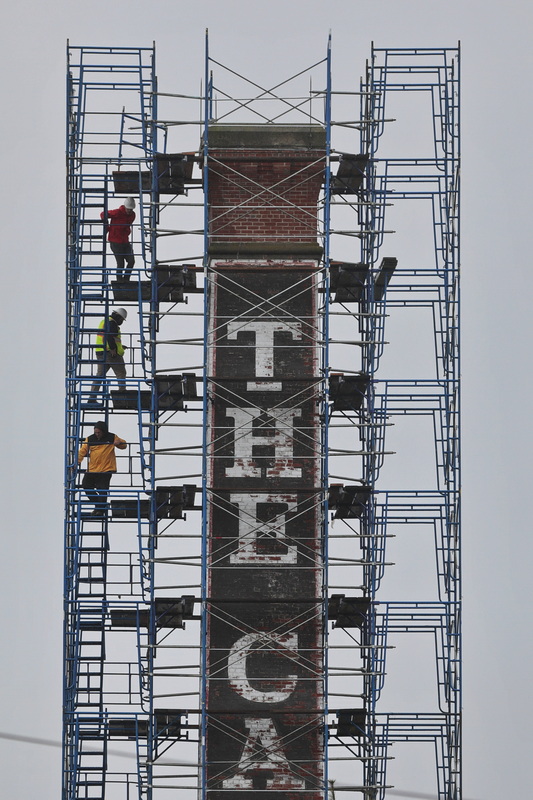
<point>303,639</point>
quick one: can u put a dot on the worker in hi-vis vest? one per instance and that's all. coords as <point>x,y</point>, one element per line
<point>110,350</point>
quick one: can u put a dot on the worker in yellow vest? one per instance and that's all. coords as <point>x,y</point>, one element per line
<point>110,350</point>
<point>100,450</point>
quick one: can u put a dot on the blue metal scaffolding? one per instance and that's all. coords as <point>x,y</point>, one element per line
<point>417,295</point>
<point>133,714</point>
<point>234,99</point>
<point>119,615</point>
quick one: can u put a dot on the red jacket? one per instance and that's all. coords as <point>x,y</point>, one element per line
<point>119,227</point>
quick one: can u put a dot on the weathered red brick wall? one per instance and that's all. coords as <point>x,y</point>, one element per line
<point>262,193</point>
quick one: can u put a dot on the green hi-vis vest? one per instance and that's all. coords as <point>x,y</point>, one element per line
<point>100,341</point>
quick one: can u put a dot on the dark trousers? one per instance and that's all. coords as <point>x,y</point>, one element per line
<point>105,362</point>
<point>96,485</point>
<point>123,252</point>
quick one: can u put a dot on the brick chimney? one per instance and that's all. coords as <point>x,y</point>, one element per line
<point>264,184</point>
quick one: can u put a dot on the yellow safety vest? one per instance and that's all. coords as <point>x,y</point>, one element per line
<point>100,340</point>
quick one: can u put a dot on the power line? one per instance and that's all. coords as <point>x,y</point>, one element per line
<point>51,743</point>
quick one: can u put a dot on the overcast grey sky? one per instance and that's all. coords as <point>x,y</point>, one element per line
<point>497,290</point>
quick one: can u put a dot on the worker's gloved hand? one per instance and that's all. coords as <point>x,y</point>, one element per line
<point>112,352</point>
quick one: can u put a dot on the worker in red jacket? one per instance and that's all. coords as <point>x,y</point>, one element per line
<point>118,236</point>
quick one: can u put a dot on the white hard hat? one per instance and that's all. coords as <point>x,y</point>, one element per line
<point>129,202</point>
<point>121,312</point>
